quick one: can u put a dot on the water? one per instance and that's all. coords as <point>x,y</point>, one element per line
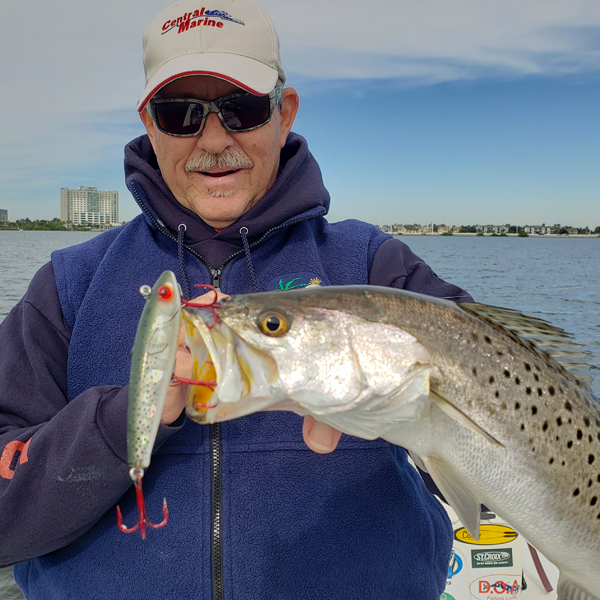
<point>554,279</point>
<point>22,253</point>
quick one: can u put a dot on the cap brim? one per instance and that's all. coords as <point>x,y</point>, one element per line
<point>246,73</point>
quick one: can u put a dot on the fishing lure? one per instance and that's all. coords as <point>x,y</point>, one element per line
<point>152,366</point>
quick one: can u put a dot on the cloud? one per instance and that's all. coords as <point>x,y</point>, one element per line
<point>72,70</point>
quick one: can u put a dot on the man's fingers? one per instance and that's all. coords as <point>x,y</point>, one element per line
<point>208,298</point>
<point>320,438</point>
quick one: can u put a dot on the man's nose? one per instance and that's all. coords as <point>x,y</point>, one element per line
<point>214,137</point>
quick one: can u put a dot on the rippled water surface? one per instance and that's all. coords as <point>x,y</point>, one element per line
<point>554,279</point>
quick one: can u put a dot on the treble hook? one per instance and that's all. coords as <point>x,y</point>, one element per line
<point>211,306</point>
<point>136,475</point>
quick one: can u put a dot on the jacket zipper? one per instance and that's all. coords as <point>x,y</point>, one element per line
<point>216,543</point>
<point>216,557</point>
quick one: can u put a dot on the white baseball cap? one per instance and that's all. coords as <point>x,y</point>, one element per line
<point>233,40</point>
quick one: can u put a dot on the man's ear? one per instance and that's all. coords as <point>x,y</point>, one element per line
<point>289,108</point>
<point>149,125</point>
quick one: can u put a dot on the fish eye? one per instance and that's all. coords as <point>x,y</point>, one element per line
<point>165,292</point>
<point>273,323</point>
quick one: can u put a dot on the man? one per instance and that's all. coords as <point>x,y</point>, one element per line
<point>229,196</point>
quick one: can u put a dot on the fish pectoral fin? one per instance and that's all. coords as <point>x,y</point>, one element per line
<point>454,413</point>
<point>456,492</point>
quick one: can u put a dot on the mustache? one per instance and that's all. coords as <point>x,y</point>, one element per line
<point>230,157</point>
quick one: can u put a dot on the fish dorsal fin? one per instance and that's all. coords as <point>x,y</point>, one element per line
<point>537,335</point>
<point>456,492</point>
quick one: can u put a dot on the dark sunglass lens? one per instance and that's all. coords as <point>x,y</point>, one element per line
<point>245,112</point>
<point>179,118</point>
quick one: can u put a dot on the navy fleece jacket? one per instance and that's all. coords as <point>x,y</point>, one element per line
<point>358,523</point>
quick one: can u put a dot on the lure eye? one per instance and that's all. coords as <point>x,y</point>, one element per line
<point>273,323</point>
<point>165,292</point>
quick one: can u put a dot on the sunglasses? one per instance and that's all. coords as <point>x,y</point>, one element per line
<point>185,117</point>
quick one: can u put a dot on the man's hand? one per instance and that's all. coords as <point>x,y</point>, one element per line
<point>175,400</point>
<point>320,438</point>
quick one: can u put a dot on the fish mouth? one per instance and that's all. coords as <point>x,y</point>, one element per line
<point>237,379</point>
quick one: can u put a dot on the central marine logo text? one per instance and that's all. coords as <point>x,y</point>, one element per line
<point>199,18</point>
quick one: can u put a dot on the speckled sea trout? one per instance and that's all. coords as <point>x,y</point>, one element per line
<point>483,398</point>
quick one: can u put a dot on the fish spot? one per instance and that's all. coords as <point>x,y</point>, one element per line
<point>545,426</point>
<point>500,353</point>
<point>593,501</point>
<point>487,340</point>
<point>517,405</point>
<point>563,463</point>
<point>598,479</point>
<point>568,406</point>
<point>579,434</point>
<point>538,367</point>
<point>551,390</point>
<point>534,410</point>
<point>576,492</point>
<point>559,421</point>
<point>539,391</point>
<point>491,379</point>
<point>522,426</point>
<point>570,444</point>
<point>475,371</point>
<point>527,367</point>
<point>536,376</point>
<point>590,438</point>
<point>517,380</point>
<point>590,483</point>
<point>586,421</point>
<point>590,459</point>
<point>551,461</point>
<point>528,390</point>
<point>506,373</point>
<point>497,394</point>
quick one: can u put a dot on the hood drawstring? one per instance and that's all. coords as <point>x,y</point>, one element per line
<point>244,234</point>
<point>186,286</point>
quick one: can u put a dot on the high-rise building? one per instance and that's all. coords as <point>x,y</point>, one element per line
<point>88,205</point>
<point>3,215</point>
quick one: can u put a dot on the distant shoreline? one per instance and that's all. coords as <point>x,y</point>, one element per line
<point>513,235</point>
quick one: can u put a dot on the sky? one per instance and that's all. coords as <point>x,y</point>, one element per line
<point>417,111</point>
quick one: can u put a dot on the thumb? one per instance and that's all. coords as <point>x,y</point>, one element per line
<point>319,437</point>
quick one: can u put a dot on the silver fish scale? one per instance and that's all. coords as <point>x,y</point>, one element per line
<point>548,472</point>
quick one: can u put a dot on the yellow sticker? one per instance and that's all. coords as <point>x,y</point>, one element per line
<point>489,535</point>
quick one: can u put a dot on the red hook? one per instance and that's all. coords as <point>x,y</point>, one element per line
<point>210,306</point>
<point>136,475</point>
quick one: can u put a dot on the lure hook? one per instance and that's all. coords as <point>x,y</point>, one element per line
<point>210,306</point>
<point>136,475</point>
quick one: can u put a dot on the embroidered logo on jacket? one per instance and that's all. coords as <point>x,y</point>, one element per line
<point>289,284</point>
